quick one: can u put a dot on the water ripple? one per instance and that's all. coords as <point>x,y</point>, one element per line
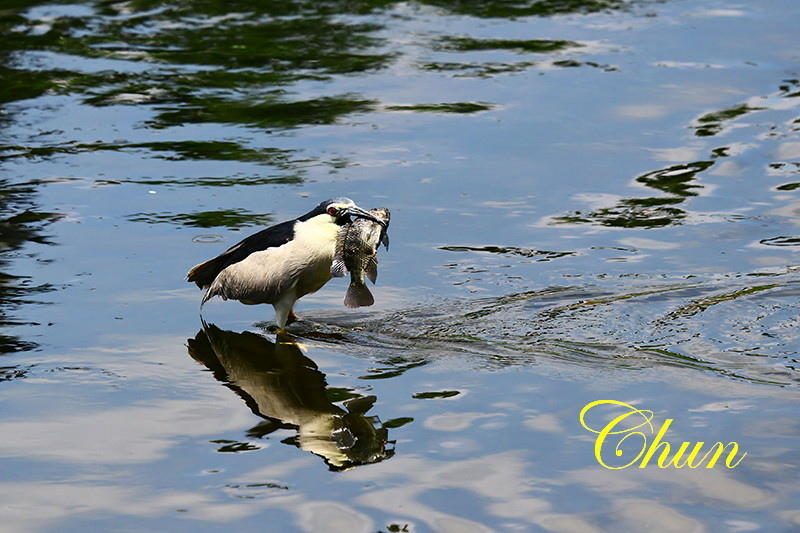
<point>740,326</point>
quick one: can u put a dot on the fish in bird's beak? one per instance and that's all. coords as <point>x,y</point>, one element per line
<point>357,212</point>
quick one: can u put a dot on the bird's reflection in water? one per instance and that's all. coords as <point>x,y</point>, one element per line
<point>279,383</point>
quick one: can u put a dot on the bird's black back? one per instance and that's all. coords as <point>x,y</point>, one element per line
<point>205,273</point>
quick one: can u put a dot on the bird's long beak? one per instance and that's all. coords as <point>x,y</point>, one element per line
<point>356,211</point>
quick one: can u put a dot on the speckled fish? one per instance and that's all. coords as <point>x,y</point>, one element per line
<point>356,252</point>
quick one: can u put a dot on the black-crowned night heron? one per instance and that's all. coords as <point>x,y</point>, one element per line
<point>280,264</point>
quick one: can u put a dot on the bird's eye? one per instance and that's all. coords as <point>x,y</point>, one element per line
<point>332,211</point>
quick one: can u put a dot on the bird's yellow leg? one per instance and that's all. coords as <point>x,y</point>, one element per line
<point>283,308</point>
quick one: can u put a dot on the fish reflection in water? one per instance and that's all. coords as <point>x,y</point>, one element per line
<point>285,387</point>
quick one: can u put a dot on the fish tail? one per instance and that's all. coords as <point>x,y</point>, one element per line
<point>358,295</point>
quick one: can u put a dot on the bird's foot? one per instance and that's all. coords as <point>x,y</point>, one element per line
<point>277,328</point>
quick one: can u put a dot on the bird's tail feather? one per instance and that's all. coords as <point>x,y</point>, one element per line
<point>358,295</point>
<point>207,296</point>
<point>204,273</point>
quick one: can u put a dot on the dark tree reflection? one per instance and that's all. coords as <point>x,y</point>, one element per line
<point>21,219</point>
<point>21,222</point>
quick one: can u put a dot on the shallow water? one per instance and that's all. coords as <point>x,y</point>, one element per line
<point>591,200</point>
